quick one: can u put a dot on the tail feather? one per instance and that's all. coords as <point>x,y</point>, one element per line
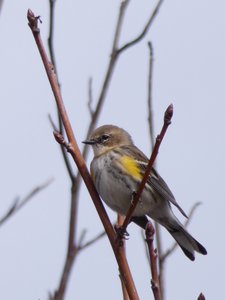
<point>187,243</point>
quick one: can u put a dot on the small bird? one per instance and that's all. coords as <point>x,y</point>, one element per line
<point>117,169</point>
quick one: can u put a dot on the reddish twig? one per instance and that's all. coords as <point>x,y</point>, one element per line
<point>167,121</point>
<point>149,232</point>
<point>201,297</point>
<point>17,205</point>
<point>122,248</point>
<point>76,154</point>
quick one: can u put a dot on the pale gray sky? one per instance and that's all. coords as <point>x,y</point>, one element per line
<point>189,71</point>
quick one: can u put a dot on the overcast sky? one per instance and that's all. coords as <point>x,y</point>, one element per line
<point>189,70</point>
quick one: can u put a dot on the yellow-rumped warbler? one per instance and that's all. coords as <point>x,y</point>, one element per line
<point>117,169</point>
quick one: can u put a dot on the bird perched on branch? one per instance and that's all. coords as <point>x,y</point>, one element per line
<point>117,170</point>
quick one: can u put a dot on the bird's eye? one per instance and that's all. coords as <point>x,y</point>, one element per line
<point>104,138</point>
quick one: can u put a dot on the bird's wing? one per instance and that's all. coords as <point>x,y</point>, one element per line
<point>160,186</point>
<point>155,180</point>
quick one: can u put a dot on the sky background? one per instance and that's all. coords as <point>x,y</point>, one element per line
<point>189,71</point>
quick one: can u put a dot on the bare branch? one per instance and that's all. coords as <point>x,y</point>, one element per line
<point>53,60</point>
<point>150,113</point>
<point>120,220</point>
<point>51,32</point>
<point>167,121</point>
<point>149,233</point>
<point>144,31</point>
<point>82,246</point>
<point>79,160</point>
<point>109,72</point>
<point>17,205</point>
<point>174,246</point>
<point>152,137</point>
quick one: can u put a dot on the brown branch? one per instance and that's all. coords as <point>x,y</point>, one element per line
<point>17,205</point>
<point>144,31</point>
<point>76,154</point>
<point>174,246</point>
<point>167,121</point>
<point>149,232</point>
<point>120,220</point>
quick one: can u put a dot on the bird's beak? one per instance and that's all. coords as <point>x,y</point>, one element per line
<point>89,142</point>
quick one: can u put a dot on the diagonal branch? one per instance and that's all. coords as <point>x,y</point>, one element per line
<point>167,121</point>
<point>16,206</point>
<point>79,160</point>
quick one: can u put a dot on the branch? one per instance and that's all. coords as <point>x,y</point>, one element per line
<point>144,31</point>
<point>150,113</point>
<point>53,60</point>
<point>82,246</point>
<point>108,75</point>
<point>120,220</point>
<point>79,160</point>
<point>174,246</point>
<point>167,121</point>
<point>149,232</point>
<point>152,134</point>
<point>15,207</point>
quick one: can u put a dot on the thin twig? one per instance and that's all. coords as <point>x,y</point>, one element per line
<point>174,246</point>
<point>53,60</point>
<point>82,246</point>
<point>144,31</point>
<point>152,137</point>
<point>76,154</point>
<point>149,232</point>
<point>150,112</point>
<point>17,205</point>
<point>167,121</point>
<point>120,220</point>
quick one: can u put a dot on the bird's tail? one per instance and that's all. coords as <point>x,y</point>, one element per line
<point>187,243</point>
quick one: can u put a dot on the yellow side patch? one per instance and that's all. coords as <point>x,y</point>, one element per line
<point>131,167</point>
